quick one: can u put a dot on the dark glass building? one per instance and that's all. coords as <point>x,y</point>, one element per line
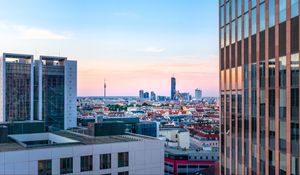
<point>173,88</point>
<point>259,86</point>
<point>18,87</point>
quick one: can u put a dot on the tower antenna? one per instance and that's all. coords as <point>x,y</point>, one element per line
<point>104,89</point>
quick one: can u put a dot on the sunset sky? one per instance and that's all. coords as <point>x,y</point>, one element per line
<point>134,44</point>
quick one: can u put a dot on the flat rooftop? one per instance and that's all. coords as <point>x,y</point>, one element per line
<point>179,151</point>
<point>19,142</point>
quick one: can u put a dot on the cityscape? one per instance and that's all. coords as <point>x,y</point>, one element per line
<point>141,87</point>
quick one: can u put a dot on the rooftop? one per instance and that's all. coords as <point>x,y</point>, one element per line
<point>174,128</point>
<point>63,138</point>
<point>179,151</point>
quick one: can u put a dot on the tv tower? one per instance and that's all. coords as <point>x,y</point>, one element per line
<point>104,88</point>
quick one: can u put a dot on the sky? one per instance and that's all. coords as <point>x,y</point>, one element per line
<point>133,44</point>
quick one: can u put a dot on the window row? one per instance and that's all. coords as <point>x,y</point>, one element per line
<point>86,164</point>
<point>235,27</point>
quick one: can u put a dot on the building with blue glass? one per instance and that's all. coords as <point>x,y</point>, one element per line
<point>173,88</point>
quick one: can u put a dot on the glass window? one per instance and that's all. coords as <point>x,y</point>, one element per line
<point>246,6</point>
<point>222,16</point>
<point>282,10</point>
<point>239,7</point>
<point>227,12</point>
<point>232,9</point>
<point>222,2</point>
<point>123,159</point>
<point>44,167</point>
<point>246,25</point>
<point>295,105</point>
<point>253,19</point>
<point>262,16</point>
<point>294,8</point>
<point>66,165</point>
<point>253,4</point>
<point>222,37</point>
<point>282,84</point>
<point>222,80</point>
<point>105,161</point>
<point>232,32</point>
<point>271,13</point>
<point>123,173</point>
<point>239,26</point>
<point>86,163</point>
<point>227,34</point>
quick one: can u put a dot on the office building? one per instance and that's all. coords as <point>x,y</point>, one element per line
<point>146,95</point>
<point>141,94</point>
<point>44,89</point>
<point>173,88</point>
<point>198,94</point>
<point>185,96</point>
<point>68,152</point>
<point>161,98</point>
<point>152,96</point>
<point>16,86</point>
<point>57,92</point>
<point>259,86</point>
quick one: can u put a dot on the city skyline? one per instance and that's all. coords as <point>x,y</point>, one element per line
<point>126,43</point>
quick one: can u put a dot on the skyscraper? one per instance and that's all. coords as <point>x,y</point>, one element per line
<point>58,87</point>
<point>259,86</point>
<point>146,95</point>
<point>173,87</point>
<point>104,95</point>
<point>141,94</point>
<point>198,94</point>
<point>42,90</point>
<point>152,96</point>
<point>16,83</point>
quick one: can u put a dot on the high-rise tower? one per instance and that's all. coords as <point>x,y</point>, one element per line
<point>259,86</point>
<point>173,87</point>
<point>16,84</point>
<point>44,89</point>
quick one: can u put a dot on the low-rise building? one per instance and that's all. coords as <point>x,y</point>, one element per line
<point>176,137</point>
<point>182,162</point>
<point>69,152</point>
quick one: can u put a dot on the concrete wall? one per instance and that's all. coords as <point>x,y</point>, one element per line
<point>70,94</point>
<point>182,138</point>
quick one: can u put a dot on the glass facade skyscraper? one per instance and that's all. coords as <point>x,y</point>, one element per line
<point>18,87</point>
<point>44,89</point>
<point>173,88</point>
<point>259,86</point>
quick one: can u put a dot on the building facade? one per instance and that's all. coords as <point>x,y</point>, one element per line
<point>198,94</point>
<point>57,92</point>
<point>16,87</point>
<point>44,89</point>
<point>183,162</point>
<point>173,88</point>
<point>152,96</point>
<point>259,86</point>
<point>65,152</point>
<point>141,94</point>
